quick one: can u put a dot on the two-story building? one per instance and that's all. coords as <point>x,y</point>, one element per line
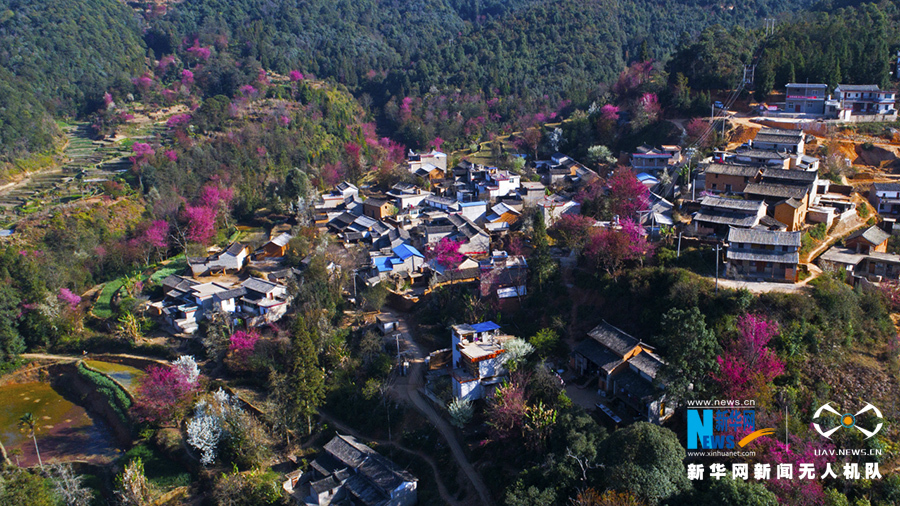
<point>763,254</point>
<point>885,197</point>
<point>625,368</point>
<point>477,363</point>
<point>654,160</point>
<point>805,98</point>
<point>730,178</point>
<point>862,102</point>
<point>718,214</point>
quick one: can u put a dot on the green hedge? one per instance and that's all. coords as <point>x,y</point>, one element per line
<point>116,396</point>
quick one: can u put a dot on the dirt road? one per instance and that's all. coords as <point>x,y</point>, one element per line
<point>406,389</point>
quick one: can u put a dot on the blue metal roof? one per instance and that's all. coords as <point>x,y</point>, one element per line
<point>474,203</point>
<point>405,251</point>
<point>383,264</point>
<point>485,326</point>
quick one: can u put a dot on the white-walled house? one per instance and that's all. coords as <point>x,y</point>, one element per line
<point>477,359</point>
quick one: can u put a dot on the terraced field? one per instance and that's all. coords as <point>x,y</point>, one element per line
<point>88,164</point>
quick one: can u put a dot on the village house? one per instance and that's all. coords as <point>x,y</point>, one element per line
<point>872,266</point>
<point>501,218</point>
<point>730,178</point>
<point>187,302</point>
<point>531,192</point>
<point>503,280</point>
<point>407,195</point>
<point>885,197</point>
<point>868,240</point>
<point>625,370</point>
<point>652,160</point>
<point>805,98</point>
<point>477,359</point>
<point>761,157</point>
<point>862,102</point>
<point>277,247</point>
<point>378,209</point>
<point>402,259</point>
<point>779,140</point>
<point>556,206</point>
<point>777,186</point>
<point>231,259</point>
<point>763,254</point>
<point>718,214</point>
<point>431,165</point>
<point>348,472</point>
<point>341,193</point>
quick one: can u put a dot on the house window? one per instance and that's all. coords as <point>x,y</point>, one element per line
<point>728,188</point>
<point>714,186</point>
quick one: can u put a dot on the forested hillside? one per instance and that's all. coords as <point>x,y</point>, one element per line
<point>520,46</point>
<point>851,45</point>
<point>59,58</point>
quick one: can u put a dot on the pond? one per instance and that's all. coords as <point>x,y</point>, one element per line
<point>65,431</point>
<point>124,374</point>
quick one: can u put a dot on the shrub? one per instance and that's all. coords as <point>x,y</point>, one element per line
<point>115,395</point>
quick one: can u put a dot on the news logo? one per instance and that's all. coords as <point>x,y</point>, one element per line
<point>720,428</point>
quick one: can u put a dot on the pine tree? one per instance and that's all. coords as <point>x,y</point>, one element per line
<point>301,391</point>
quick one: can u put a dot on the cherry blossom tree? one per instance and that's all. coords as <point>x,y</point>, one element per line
<point>609,248</point>
<point>627,195</point>
<point>163,392</point>
<point>68,298</point>
<point>201,223</point>
<point>747,366</point>
<point>243,343</point>
<point>446,253</point>
<point>506,410</point>
<point>295,76</point>
<point>573,230</point>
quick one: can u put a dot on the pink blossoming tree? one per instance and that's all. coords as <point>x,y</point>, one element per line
<point>747,366</point>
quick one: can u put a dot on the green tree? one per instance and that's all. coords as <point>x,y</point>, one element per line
<point>520,495</point>
<point>541,263</point>
<point>545,342</point>
<point>20,486</point>
<point>647,460</point>
<point>690,349</point>
<point>300,391</point>
<point>731,491</point>
<point>11,342</point>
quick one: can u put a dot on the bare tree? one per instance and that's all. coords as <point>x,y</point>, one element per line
<point>69,485</point>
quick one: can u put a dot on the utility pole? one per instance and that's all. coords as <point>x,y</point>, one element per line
<point>679,246</point>
<point>717,268</point>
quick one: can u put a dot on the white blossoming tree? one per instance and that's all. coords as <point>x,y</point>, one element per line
<point>187,368</point>
<point>517,350</point>
<point>461,412</point>
<point>204,431</point>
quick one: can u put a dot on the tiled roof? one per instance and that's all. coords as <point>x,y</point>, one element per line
<point>886,187</point>
<point>873,235</point>
<point>765,237</point>
<point>711,201</point>
<point>613,338</point>
<point>783,191</point>
<point>732,170</point>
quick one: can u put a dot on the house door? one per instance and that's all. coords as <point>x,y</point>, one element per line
<point>760,267</point>
<point>796,107</point>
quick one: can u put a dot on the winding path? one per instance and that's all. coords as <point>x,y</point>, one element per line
<point>406,388</point>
